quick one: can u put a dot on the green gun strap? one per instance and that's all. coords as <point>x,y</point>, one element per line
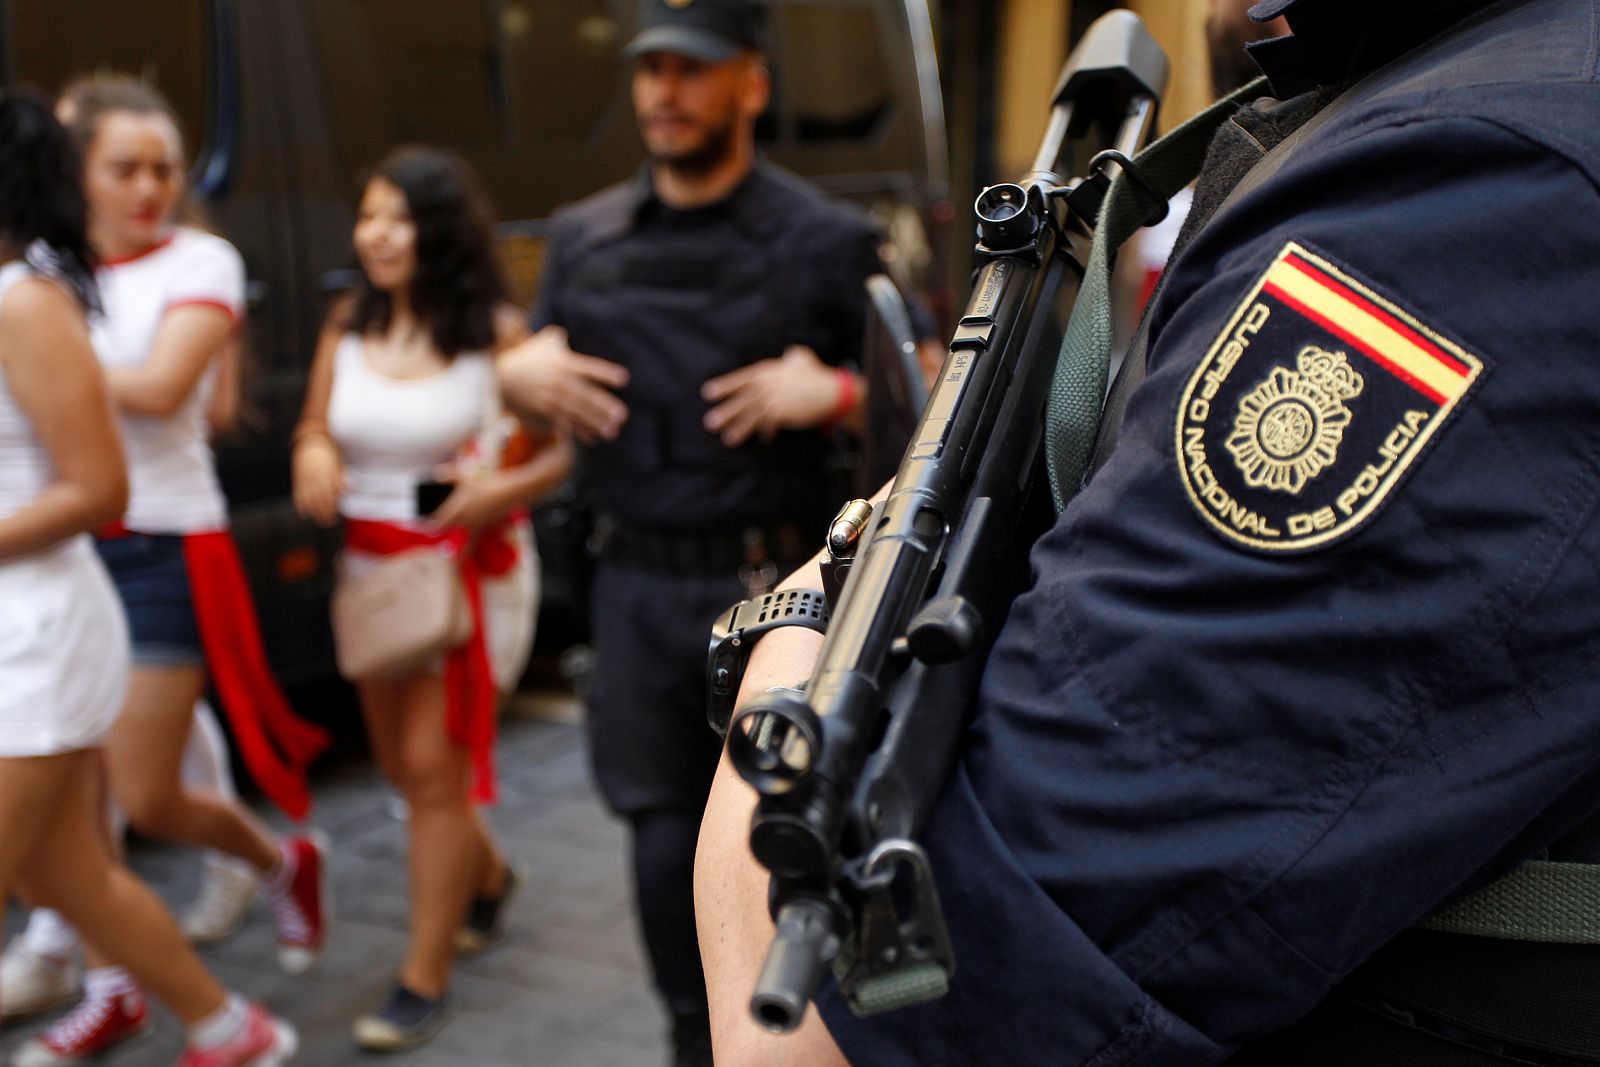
<point>1539,901</point>
<point>1072,414</point>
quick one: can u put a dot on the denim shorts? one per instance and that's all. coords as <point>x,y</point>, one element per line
<point>152,580</point>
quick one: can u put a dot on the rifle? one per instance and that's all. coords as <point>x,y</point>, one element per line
<point>848,770</point>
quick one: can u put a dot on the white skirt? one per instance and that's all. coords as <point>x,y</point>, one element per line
<point>63,651</point>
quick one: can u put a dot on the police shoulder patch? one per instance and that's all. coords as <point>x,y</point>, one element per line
<point>1311,406</point>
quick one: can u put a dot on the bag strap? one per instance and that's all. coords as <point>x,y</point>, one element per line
<point>1077,392</point>
<point>1539,901</point>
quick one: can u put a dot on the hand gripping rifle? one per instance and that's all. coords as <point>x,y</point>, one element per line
<point>848,771</point>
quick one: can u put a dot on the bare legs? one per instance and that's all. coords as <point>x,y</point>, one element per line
<point>144,760</point>
<point>452,853</point>
<point>31,792</point>
<point>53,852</point>
<point>144,754</point>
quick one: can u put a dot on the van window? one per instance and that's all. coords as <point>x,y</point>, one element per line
<point>562,59</point>
<point>484,78</point>
<point>162,41</point>
<point>845,40</point>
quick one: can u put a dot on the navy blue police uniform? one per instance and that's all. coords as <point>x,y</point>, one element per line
<point>679,297</point>
<point>1318,647</point>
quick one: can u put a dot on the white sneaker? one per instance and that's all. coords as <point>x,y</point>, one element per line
<point>31,984</point>
<point>226,894</point>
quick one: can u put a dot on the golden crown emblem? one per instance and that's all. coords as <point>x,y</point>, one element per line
<point>1289,427</point>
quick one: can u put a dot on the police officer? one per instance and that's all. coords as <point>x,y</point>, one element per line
<point>694,331</point>
<point>1315,650</point>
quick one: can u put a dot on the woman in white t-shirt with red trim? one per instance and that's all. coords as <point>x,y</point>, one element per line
<point>402,385</point>
<point>172,300</point>
<point>63,641</point>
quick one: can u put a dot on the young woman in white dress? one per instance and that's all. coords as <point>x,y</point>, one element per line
<point>63,641</point>
<point>173,299</point>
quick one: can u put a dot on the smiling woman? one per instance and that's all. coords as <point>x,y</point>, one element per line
<point>402,405</point>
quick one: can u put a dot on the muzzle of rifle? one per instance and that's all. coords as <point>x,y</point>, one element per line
<point>774,742</point>
<point>802,947</point>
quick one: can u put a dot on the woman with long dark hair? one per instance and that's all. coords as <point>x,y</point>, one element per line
<point>63,641</point>
<point>402,396</point>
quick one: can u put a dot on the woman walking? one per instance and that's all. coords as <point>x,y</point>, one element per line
<point>63,643</point>
<point>403,384</point>
<point>173,297</point>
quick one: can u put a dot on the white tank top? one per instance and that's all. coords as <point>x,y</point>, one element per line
<point>25,467</point>
<point>172,480</point>
<point>394,432</point>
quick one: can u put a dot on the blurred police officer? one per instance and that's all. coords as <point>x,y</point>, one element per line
<point>693,331</point>
<point>1315,651</point>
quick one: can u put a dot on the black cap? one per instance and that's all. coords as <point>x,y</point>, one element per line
<point>712,31</point>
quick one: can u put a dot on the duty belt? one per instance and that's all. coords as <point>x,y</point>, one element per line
<point>752,552</point>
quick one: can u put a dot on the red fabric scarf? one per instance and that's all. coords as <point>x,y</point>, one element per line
<point>468,677</point>
<point>277,745</point>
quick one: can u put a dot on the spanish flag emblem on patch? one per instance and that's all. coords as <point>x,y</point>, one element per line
<point>1311,406</point>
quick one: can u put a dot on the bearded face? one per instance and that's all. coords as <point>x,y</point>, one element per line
<point>691,112</point>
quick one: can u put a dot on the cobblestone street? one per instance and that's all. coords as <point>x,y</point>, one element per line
<point>565,989</point>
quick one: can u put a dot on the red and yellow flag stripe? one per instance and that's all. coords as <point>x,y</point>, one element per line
<point>1362,322</point>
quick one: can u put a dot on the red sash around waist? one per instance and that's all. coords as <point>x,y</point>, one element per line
<point>276,744</point>
<point>468,677</point>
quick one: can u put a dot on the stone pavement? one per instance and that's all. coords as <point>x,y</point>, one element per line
<point>565,989</point>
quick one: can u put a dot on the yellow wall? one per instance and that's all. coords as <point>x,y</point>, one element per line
<point>1033,45</point>
<point>1180,26</point>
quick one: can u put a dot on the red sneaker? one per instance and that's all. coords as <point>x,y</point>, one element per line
<point>263,1042</point>
<point>94,1026</point>
<point>304,909</point>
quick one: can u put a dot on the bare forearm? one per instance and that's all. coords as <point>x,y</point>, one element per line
<point>138,391</point>
<point>56,514</point>
<point>531,482</point>
<point>187,340</point>
<point>731,888</point>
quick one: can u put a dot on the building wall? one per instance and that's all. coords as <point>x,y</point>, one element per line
<point>1035,37</point>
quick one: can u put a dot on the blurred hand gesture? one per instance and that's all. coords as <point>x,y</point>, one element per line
<point>794,391</point>
<point>544,378</point>
<point>474,503</point>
